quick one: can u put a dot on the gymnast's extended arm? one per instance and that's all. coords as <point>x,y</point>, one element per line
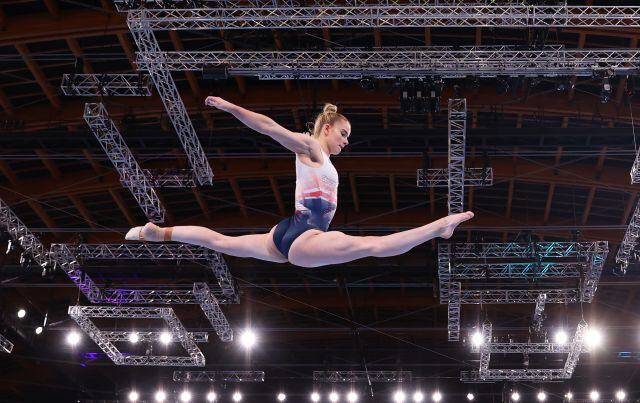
<point>296,142</point>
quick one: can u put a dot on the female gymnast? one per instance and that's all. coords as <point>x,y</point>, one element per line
<point>303,239</point>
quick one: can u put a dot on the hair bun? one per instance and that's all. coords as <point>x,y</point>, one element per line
<point>330,108</point>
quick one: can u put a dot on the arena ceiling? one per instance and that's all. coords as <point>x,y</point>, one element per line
<point>561,162</point>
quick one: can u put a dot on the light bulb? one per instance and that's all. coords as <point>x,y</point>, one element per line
<point>185,396</point>
<point>237,396</point>
<point>211,397</point>
<point>160,396</point>
<point>621,395</point>
<point>561,337</point>
<point>22,313</point>
<point>39,329</point>
<point>315,397</point>
<point>470,396</point>
<point>399,396</point>
<point>282,397</point>
<point>418,396</point>
<point>436,397</point>
<point>133,396</point>
<point>73,339</point>
<point>165,337</point>
<point>542,396</point>
<point>333,397</point>
<point>515,396</point>
<point>477,339</point>
<point>133,337</point>
<point>352,396</point>
<point>594,395</point>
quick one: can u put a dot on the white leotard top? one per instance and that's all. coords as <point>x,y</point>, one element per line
<point>316,192</point>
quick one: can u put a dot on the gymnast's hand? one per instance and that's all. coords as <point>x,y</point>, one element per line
<point>219,103</point>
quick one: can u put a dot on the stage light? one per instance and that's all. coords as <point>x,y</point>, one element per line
<point>561,337</point>
<point>593,338</point>
<point>39,329</point>
<point>470,397</point>
<point>333,397</point>
<point>133,396</point>
<point>568,396</point>
<point>542,396</point>
<point>477,339</point>
<point>165,337</point>
<point>160,396</point>
<point>399,396</point>
<point>352,397</point>
<point>133,337</point>
<point>237,396</point>
<point>594,395</point>
<point>248,339</point>
<point>282,397</point>
<point>315,397</point>
<point>21,313</point>
<point>211,396</point>
<point>621,395</point>
<point>73,338</point>
<point>418,397</point>
<point>185,396</point>
<point>515,396</point>
<point>436,397</point>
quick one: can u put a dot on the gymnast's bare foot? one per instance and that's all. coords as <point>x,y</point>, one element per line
<point>150,232</point>
<point>449,223</point>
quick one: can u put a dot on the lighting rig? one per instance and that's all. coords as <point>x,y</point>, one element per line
<point>419,95</point>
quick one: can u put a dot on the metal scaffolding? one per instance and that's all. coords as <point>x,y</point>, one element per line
<point>5,345</point>
<point>218,376</point>
<point>488,347</point>
<point>18,232</point>
<point>228,293</point>
<point>538,314</point>
<point>457,133</point>
<point>83,315</point>
<point>147,335</point>
<point>177,112</point>
<point>418,62</point>
<point>131,175</point>
<point>111,85</point>
<point>267,14</point>
<point>635,170</point>
<point>630,240</point>
<point>439,177</point>
<point>362,376</point>
<point>212,311</point>
<point>169,178</point>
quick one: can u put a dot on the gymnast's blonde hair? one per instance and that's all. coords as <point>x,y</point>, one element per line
<point>329,115</point>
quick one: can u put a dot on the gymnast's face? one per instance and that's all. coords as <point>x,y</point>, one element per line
<point>337,136</point>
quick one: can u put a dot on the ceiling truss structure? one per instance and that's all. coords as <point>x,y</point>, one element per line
<point>109,85</point>
<point>218,376</point>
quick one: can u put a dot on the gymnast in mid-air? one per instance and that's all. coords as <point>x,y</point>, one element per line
<point>303,239</point>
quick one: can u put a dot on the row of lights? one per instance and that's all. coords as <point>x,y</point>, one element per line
<point>594,396</point>
<point>593,338</point>
<point>22,313</point>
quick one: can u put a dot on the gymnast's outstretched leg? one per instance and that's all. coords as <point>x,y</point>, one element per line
<point>259,246</point>
<point>316,248</point>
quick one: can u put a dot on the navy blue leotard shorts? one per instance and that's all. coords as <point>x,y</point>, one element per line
<point>288,230</point>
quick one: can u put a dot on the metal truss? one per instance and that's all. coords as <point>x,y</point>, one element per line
<point>131,175</point>
<point>112,85</point>
<point>212,311</point>
<point>148,336</point>
<point>267,14</point>
<point>630,240</point>
<point>515,296</point>
<point>228,293</point>
<point>440,177</point>
<point>483,271</point>
<point>5,345</point>
<point>170,178</point>
<point>362,376</point>
<point>83,315</point>
<point>486,374</point>
<point>453,312</point>
<point>18,232</point>
<point>538,314</point>
<point>177,112</point>
<point>443,61</point>
<point>457,132</point>
<point>527,250</point>
<point>218,376</point>
<point>635,170</point>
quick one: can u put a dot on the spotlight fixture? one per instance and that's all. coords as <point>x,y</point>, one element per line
<point>334,397</point>
<point>561,337</point>
<point>470,397</point>
<point>237,396</point>
<point>248,339</point>
<point>160,396</point>
<point>418,397</point>
<point>211,396</point>
<point>21,313</point>
<point>282,397</point>
<point>477,339</point>
<point>133,337</point>
<point>133,396</point>
<point>436,397</point>
<point>515,396</point>
<point>165,337</point>
<point>315,397</point>
<point>39,329</point>
<point>352,397</point>
<point>542,396</point>
<point>73,338</point>
<point>185,396</point>
<point>502,87</point>
<point>593,338</point>
<point>594,395</point>
<point>568,396</point>
<point>621,395</point>
<point>399,396</point>
<point>367,83</point>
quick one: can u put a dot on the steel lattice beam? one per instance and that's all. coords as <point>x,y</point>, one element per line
<point>170,178</point>
<point>146,335</point>
<point>83,315</point>
<point>445,62</point>
<point>453,312</point>
<point>440,177</point>
<point>112,85</point>
<point>177,112</point>
<point>212,311</point>
<point>131,175</point>
<point>218,376</point>
<point>5,345</point>
<point>457,134</point>
<point>392,14</point>
<point>538,314</point>
<point>630,239</point>
<point>362,376</point>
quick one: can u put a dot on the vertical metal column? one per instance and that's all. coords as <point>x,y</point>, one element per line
<point>457,131</point>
